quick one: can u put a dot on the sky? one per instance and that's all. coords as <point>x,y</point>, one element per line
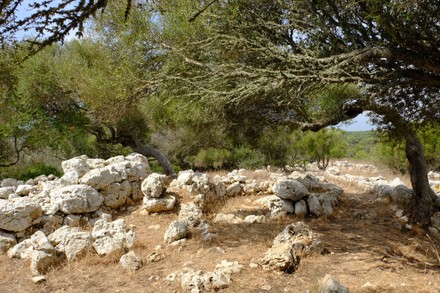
<point>360,123</point>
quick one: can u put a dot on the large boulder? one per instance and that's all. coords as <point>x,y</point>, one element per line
<point>72,241</point>
<point>18,214</point>
<point>112,236</point>
<point>76,199</point>
<point>291,189</point>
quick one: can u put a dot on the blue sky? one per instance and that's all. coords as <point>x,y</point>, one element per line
<point>360,123</point>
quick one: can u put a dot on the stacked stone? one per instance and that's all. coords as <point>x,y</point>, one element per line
<point>156,199</point>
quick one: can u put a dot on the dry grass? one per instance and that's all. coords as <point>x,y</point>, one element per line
<point>368,249</point>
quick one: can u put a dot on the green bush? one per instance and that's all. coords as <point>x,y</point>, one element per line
<point>27,172</point>
<point>248,158</point>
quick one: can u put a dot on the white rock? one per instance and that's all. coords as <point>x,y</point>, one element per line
<point>116,194</point>
<point>130,261</point>
<point>18,214</point>
<point>301,208</point>
<point>190,214</point>
<point>9,182</point>
<point>75,199</point>
<point>24,249</point>
<point>77,164</point>
<point>185,177</point>
<point>72,241</point>
<point>43,260</point>
<point>315,206</point>
<point>102,177</point>
<point>24,189</point>
<point>227,218</point>
<point>155,205</point>
<point>6,191</point>
<point>111,236</point>
<point>176,230</point>
<point>251,188</point>
<point>251,219</point>
<point>291,189</point>
<point>153,186</point>
<point>69,178</point>
<point>330,284</point>
<point>333,170</point>
<point>233,189</point>
<point>280,207</point>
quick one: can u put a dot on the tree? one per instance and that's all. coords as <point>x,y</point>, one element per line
<point>47,22</point>
<point>310,64</point>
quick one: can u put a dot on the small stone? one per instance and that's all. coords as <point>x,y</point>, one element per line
<point>39,279</point>
<point>130,261</point>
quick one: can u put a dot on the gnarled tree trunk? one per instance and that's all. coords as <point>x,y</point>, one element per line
<point>424,199</point>
<point>149,151</point>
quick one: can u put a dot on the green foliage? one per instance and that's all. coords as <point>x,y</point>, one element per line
<point>248,158</point>
<point>391,149</point>
<point>212,158</point>
<point>27,172</point>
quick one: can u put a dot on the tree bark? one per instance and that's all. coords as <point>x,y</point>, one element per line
<point>424,198</point>
<point>149,151</point>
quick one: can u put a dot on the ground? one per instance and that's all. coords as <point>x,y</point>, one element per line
<point>366,244</point>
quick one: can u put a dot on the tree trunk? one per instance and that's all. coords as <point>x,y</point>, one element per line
<point>424,199</point>
<point>149,151</point>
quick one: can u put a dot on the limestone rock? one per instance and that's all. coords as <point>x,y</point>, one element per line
<point>190,214</point>
<point>6,241</point>
<point>315,206</point>
<point>251,219</point>
<point>300,208</point>
<point>18,214</point>
<point>296,240</point>
<point>130,261</point>
<point>233,189</point>
<point>43,260</point>
<point>72,241</point>
<point>155,205</point>
<point>177,230</point>
<point>9,182</point>
<point>153,186</point>
<point>330,284</point>
<point>291,189</point>
<point>116,194</point>
<point>100,178</point>
<point>24,189</point>
<point>227,218</point>
<point>76,199</point>
<point>6,191</point>
<point>333,170</point>
<point>111,236</point>
<point>402,194</point>
<point>77,164</point>
<point>280,207</point>
<point>185,177</point>
<point>201,281</point>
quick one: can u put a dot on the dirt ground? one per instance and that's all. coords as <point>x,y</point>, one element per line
<point>368,252</point>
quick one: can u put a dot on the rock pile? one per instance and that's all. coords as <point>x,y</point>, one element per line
<point>295,241</point>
